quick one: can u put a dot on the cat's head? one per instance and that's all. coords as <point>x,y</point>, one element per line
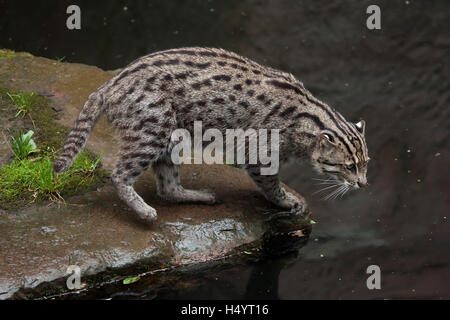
<point>343,157</point>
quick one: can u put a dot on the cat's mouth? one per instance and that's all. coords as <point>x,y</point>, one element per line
<point>342,181</point>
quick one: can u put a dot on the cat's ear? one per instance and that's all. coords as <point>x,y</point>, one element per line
<point>361,126</point>
<point>326,140</point>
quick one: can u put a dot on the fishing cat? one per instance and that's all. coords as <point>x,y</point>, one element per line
<point>171,89</point>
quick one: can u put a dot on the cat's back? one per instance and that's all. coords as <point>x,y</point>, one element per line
<point>196,68</point>
<point>209,84</point>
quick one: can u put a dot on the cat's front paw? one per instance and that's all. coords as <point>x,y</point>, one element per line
<point>295,204</point>
<point>209,196</point>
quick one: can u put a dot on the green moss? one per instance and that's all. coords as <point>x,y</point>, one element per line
<point>33,180</point>
<point>8,54</point>
<point>49,134</point>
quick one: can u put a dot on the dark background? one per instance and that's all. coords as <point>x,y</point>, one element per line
<point>397,79</point>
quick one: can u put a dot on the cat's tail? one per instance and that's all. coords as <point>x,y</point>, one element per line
<point>75,141</point>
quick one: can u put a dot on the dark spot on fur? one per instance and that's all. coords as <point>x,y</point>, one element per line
<point>222,77</point>
<point>181,75</point>
<point>128,166</point>
<point>180,92</point>
<point>244,104</point>
<point>144,164</point>
<point>218,101</point>
<point>141,97</point>
<point>285,86</point>
<point>288,111</point>
<point>203,65</point>
<point>208,54</point>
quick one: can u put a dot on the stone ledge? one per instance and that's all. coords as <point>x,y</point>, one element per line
<point>96,231</point>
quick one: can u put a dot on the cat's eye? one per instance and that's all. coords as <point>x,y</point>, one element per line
<point>351,167</point>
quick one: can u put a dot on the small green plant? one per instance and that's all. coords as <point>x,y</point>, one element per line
<point>23,145</point>
<point>60,59</point>
<point>22,102</point>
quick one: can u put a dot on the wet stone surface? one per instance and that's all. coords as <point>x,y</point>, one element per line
<point>99,234</point>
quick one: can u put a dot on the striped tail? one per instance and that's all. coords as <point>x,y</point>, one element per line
<point>77,137</point>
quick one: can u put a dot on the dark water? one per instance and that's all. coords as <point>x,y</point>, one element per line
<point>397,79</point>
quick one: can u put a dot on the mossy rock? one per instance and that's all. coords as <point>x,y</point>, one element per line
<point>33,180</point>
<point>49,134</point>
<point>8,54</point>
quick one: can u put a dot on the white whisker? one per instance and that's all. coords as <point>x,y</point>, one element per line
<point>336,192</point>
<point>342,192</point>
<point>329,179</point>
<point>326,188</point>
<point>330,182</point>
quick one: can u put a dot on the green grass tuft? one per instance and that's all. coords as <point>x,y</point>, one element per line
<point>22,101</point>
<point>26,181</point>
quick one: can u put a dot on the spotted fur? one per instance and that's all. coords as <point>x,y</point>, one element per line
<point>171,89</point>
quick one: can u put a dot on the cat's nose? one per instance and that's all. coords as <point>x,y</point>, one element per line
<point>362,184</point>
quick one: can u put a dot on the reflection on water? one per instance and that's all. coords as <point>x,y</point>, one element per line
<point>396,79</point>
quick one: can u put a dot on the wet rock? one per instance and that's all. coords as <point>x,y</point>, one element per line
<point>97,233</point>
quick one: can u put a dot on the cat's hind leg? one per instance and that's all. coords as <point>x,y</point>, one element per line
<point>130,166</point>
<point>145,128</point>
<point>169,187</point>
